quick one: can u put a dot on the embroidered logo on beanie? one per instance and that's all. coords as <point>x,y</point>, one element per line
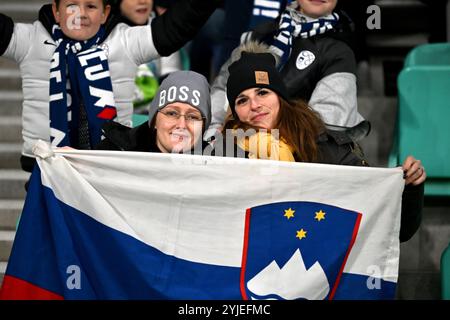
<point>181,94</point>
<point>261,77</point>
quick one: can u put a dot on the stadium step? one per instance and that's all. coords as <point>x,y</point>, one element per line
<point>2,270</point>
<point>11,103</point>
<point>7,64</point>
<point>403,16</point>
<point>10,79</point>
<point>10,211</point>
<point>404,25</point>
<point>12,183</point>
<point>22,11</point>
<point>10,129</point>
<point>6,241</point>
<point>10,155</point>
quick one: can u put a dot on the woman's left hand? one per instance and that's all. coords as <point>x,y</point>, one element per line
<point>414,172</point>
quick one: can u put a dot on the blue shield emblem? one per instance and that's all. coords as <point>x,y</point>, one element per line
<point>296,250</point>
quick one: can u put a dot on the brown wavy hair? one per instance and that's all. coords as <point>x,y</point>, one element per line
<point>298,125</point>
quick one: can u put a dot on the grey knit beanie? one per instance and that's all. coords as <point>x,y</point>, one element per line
<point>183,86</point>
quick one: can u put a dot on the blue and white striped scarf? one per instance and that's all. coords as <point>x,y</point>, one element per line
<point>293,24</point>
<point>79,74</point>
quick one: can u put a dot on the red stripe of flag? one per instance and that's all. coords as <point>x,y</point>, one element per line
<point>16,289</point>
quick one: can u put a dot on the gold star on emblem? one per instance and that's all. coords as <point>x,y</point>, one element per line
<point>301,234</point>
<point>289,213</point>
<point>320,215</point>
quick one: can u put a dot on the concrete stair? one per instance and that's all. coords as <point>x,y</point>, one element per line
<point>12,195</point>
<point>404,25</point>
<point>11,77</point>
<point>2,270</point>
<point>404,16</point>
<point>11,103</point>
<point>10,155</point>
<point>6,240</point>
<point>12,183</point>
<point>22,11</point>
<point>12,178</point>
<point>7,64</point>
<point>11,129</point>
<point>9,213</point>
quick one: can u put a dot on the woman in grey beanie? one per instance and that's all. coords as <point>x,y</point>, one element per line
<point>178,116</point>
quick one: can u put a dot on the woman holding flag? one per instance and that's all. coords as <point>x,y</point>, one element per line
<point>288,130</point>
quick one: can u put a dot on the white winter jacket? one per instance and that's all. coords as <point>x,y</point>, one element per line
<point>32,47</point>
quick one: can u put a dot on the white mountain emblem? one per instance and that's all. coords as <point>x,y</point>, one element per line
<point>292,281</point>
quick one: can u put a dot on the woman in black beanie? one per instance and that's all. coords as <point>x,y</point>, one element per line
<point>291,131</point>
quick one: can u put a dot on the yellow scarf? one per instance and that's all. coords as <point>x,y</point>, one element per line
<point>262,145</point>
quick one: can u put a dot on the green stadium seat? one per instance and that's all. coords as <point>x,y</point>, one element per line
<point>423,127</point>
<point>435,54</point>
<point>139,119</point>
<point>185,60</point>
<point>445,274</point>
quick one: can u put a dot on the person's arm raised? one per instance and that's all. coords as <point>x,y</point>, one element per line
<point>6,32</point>
<point>180,23</point>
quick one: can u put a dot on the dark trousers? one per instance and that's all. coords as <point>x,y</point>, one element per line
<point>27,164</point>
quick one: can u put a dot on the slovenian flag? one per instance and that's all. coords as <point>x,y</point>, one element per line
<point>130,225</point>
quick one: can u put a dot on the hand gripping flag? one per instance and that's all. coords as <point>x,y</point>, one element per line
<point>129,225</point>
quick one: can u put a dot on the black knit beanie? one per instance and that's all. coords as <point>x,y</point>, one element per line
<point>254,70</point>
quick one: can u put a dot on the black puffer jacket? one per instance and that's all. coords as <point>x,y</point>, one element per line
<point>123,138</point>
<point>320,70</point>
<point>338,148</point>
<point>333,51</point>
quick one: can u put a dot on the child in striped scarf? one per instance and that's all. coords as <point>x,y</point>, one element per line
<point>317,64</point>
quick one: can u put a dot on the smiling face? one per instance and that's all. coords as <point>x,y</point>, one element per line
<point>317,8</point>
<point>80,19</point>
<point>178,135</point>
<point>258,107</point>
<point>137,11</point>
